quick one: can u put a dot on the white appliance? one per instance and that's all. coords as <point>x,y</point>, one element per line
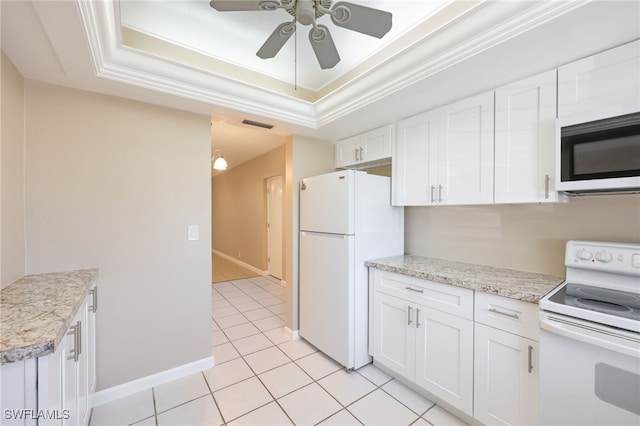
<point>590,338</point>
<point>346,218</point>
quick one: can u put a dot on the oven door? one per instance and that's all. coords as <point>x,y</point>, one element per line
<point>589,374</point>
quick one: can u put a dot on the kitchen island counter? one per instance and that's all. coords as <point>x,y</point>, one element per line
<point>511,283</point>
<point>36,311</point>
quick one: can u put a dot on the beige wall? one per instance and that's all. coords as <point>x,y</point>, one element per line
<point>12,243</point>
<point>305,157</point>
<point>239,208</point>
<point>528,237</point>
<point>114,184</point>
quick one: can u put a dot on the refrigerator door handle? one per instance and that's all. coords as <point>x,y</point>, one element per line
<point>323,234</point>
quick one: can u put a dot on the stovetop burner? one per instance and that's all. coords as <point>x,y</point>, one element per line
<point>602,285</point>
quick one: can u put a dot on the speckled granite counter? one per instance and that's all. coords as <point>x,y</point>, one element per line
<point>525,286</point>
<point>36,310</point>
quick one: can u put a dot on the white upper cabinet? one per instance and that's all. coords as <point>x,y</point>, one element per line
<point>446,156</point>
<point>606,81</point>
<point>525,140</point>
<point>465,151</point>
<point>367,149</point>
<point>413,167</point>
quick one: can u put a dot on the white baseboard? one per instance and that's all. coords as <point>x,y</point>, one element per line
<point>144,383</point>
<point>293,335</point>
<point>241,263</point>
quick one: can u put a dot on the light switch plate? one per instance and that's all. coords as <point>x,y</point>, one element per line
<point>194,231</point>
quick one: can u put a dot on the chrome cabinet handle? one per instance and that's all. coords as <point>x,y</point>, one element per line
<point>409,315</point>
<point>417,317</point>
<point>546,186</point>
<point>433,197</point>
<point>506,314</point>
<point>357,156</point>
<point>94,300</point>
<point>361,156</point>
<point>79,337</point>
<point>416,290</point>
<point>439,193</point>
<point>530,368</point>
<point>76,331</point>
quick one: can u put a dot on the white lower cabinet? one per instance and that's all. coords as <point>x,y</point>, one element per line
<point>54,389</point>
<point>444,360</point>
<point>506,361</point>
<point>66,378</point>
<point>506,385</point>
<point>425,345</point>
<point>474,351</point>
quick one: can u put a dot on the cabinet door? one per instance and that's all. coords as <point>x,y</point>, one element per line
<point>70,378</point>
<point>394,335</point>
<point>465,151</point>
<point>606,80</point>
<point>347,152</point>
<point>413,162</point>
<point>75,378</point>
<point>377,144</point>
<point>444,357</point>
<point>506,378</point>
<point>525,140</point>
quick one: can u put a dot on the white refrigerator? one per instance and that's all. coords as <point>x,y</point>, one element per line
<point>346,218</point>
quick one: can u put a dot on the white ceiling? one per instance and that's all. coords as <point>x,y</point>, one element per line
<point>185,55</point>
<point>235,37</point>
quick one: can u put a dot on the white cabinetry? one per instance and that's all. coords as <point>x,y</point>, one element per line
<point>602,82</point>
<point>367,149</point>
<point>423,331</point>
<point>445,156</point>
<point>475,352</point>
<point>525,114</point>
<point>54,389</point>
<point>505,361</point>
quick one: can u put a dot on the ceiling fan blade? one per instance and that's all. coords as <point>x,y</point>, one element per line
<point>242,5</point>
<point>324,47</point>
<point>276,40</point>
<point>365,20</point>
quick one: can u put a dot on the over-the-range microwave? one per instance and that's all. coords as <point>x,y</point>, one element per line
<point>598,153</point>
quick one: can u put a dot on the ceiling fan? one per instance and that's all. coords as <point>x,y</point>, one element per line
<point>365,20</point>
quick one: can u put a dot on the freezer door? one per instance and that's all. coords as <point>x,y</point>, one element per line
<point>327,203</point>
<point>327,294</point>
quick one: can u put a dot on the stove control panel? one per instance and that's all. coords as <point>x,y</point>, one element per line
<point>617,258</point>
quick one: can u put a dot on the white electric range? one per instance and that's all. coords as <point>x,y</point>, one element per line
<point>590,338</point>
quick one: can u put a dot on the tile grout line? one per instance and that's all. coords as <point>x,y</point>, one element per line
<point>295,362</point>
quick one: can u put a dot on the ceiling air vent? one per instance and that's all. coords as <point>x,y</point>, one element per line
<point>257,124</point>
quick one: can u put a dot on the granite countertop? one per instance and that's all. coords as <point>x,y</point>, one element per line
<point>36,310</point>
<point>525,286</point>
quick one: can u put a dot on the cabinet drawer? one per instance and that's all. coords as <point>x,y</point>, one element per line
<point>443,297</point>
<point>514,316</point>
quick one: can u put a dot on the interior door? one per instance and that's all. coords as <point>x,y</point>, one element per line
<point>327,294</point>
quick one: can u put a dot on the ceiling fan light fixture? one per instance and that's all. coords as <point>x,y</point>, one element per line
<point>305,12</point>
<point>362,19</point>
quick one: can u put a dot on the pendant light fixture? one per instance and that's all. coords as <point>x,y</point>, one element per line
<point>219,163</point>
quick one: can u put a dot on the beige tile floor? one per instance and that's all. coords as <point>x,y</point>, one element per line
<point>263,378</point>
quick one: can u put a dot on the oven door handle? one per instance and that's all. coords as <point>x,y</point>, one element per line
<point>600,337</point>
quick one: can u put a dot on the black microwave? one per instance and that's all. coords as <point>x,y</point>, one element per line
<point>598,154</point>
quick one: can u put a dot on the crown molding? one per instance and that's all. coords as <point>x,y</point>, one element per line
<point>480,28</point>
